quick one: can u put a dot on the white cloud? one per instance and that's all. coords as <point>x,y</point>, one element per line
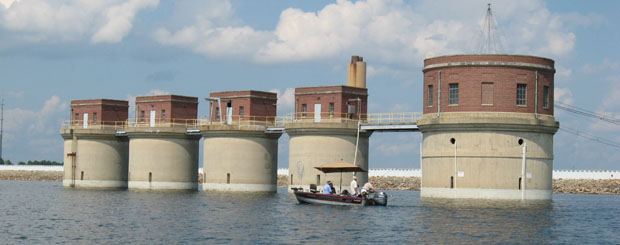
<point>610,107</point>
<point>389,31</point>
<point>286,100</point>
<point>45,121</point>
<point>606,65</point>
<point>562,74</point>
<point>563,95</point>
<point>42,20</point>
<point>6,3</point>
<point>119,20</point>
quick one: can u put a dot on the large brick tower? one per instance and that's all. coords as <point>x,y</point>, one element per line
<point>488,124</point>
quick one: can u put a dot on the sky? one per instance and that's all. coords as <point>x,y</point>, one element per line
<point>52,52</point>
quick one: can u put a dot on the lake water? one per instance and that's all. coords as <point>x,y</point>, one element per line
<point>45,212</point>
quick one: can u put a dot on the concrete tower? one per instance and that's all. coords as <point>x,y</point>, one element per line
<point>488,127</point>
<point>94,156</point>
<point>162,154</point>
<point>240,154</point>
<point>325,130</point>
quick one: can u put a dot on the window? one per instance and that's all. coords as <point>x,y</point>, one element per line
<point>430,95</point>
<point>77,118</point>
<point>241,111</point>
<point>454,94</point>
<point>546,97</point>
<point>521,94</point>
<point>487,94</point>
<point>94,117</point>
<point>304,110</point>
<point>141,116</point>
<point>331,109</point>
<point>163,115</point>
<point>217,113</point>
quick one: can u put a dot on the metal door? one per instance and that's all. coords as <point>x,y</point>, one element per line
<point>152,122</point>
<point>317,112</point>
<point>85,120</point>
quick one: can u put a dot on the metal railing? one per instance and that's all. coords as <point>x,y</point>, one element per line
<point>90,124</point>
<point>162,123</point>
<point>393,117</point>
<point>253,121</point>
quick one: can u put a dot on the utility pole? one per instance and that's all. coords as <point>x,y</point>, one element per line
<point>1,124</point>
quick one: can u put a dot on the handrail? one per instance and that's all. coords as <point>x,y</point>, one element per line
<point>252,121</point>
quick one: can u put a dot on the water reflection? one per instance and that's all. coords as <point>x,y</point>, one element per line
<point>45,212</point>
<point>485,221</point>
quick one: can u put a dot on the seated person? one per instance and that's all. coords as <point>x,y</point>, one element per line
<point>331,185</point>
<point>327,189</point>
<point>367,188</point>
<point>345,192</point>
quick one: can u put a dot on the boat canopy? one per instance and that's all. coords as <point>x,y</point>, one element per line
<point>340,166</point>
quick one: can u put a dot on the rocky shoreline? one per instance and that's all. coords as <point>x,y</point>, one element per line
<point>568,186</point>
<point>31,175</point>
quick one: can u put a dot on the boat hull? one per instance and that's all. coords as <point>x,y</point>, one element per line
<point>327,199</point>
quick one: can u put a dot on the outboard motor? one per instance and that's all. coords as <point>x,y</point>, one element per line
<point>380,199</point>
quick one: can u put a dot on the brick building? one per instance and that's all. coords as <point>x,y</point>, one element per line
<point>248,105</point>
<point>488,127</point>
<point>331,102</point>
<point>489,83</point>
<point>166,109</point>
<point>98,112</point>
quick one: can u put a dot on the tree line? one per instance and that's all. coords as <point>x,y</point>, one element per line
<point>35,162</point>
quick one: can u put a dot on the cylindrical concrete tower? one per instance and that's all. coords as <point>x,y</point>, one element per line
<point>240,154</point>
<point>314,144</point>
<point>488,127</point>
<point>163,158</point>
<point>162,154</point>
<point>94,158</point>
<point>240,160</point>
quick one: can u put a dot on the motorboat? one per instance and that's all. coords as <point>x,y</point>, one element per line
<point>315,197</point>
<point>309,197</point>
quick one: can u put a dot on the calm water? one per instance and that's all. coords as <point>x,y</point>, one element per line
<point>45,212</point>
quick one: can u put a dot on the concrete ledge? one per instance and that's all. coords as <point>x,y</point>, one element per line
<point>163,185</point>
<point>96,183</point>
<point>239,187</point>
<point>471,193</point>
<point>239,133</point>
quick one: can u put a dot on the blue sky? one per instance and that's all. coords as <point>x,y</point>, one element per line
<point>52,52</point>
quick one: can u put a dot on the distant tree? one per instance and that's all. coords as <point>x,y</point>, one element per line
<point>43,162</point>
<point>1,161</point>
<point>21,163</point>
<point>8,162</point>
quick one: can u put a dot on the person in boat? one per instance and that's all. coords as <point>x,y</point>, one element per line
<point>354,187</point>
<point>367,188</point>
<point>333,190</point>
<point>327,189</point>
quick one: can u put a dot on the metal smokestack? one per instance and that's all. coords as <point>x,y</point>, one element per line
<point>356,72</point>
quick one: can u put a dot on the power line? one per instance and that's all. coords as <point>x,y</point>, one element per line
<point>590,137</point>
<point>584,112</point>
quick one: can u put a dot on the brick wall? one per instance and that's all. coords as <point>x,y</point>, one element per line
<point>338,95</point>
<point>257,105</point>
<point>504,79</point>
<point>108,111</point>
<point>176,107</point>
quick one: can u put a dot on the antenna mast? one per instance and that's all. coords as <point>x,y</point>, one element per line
<point>490,42</point>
